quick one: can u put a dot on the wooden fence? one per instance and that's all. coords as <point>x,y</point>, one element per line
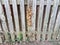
<point>45,20</point>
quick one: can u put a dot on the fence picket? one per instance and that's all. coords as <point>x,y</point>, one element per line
<point>53,16</point>
<point>40,15</point>
<point>0,34</point>
<point>9,18</point>
<point>15,16</point>
<point>57,26</point>
<point>3,22</point>
<point>46,19</point>
<point>33,16</point>
<point>22,10</point>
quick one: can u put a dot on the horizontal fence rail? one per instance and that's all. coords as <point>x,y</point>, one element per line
<point>29,21</point>
<point>37,2</point>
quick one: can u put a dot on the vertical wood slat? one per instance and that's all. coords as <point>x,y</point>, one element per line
<point>0,34</point>
<point>2,17</point>
<point>9,18</point>
<point>22,10</point>
<point>33,16</point>
<point>57,26</point>
<point>0,40</point>
<point>58,37</point>
<point>0,23</point>
<point>15,12</point>
<point>52,19</point>
<point>40,15</point>
<point>48,6</point>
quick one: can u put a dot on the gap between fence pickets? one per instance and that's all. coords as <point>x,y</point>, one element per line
<point>23,19</point>
<point>52,19</point>
<point>15,12</point>
<point>47,12</point>
<point>3,22</point>
<point>56,33</point>
<point>9,18</point>
<point>40,16</point>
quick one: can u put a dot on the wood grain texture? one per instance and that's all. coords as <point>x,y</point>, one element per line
<point>52,20</point>
<point>15,12</point>
<point>3,22</point>
<point>48,6</point>
<point>22,10</point>
<point>0,34</point>
<point>57,27</point>
<point>40,17</point>
<point>9,18</point>
<point>33,16</point>
<point>38,3</point>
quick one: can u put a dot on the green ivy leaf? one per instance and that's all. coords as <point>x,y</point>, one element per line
<point>20,36</point>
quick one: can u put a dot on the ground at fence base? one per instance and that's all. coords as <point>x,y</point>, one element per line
<point>32,43</point>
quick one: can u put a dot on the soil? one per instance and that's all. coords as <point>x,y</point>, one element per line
<point>32,43</point>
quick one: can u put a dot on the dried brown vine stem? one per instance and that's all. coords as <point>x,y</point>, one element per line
<point>29,15</point>
<point>29,23</point>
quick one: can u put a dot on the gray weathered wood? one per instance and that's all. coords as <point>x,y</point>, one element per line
<point>53,16</point>
<point>0,34</point>
<point>38,3</point>
<point>22,10</point>
<point>41,4</point>
<point>57,26</point>
<point>46,18</point>
<point>33,16</point>
<point>40,16</point>
<point>3,21</point>
<point>15,12</point>
<point>9,18</point>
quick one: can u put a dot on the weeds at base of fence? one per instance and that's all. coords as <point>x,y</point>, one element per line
<point>19,39</point>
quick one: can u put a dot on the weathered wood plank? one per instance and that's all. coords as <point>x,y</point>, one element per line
<point>57,26</point>
<point>33,16</point>
<point>3,22</point>
<point>9,18</point>
<point>58,36</point>
<point>0,34</point>
<point>15,12</point>
<point>53,16</point>
<point>22,10</point>
<point>46,18</point>
<point>40,16</point>
<point>38,3</point>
